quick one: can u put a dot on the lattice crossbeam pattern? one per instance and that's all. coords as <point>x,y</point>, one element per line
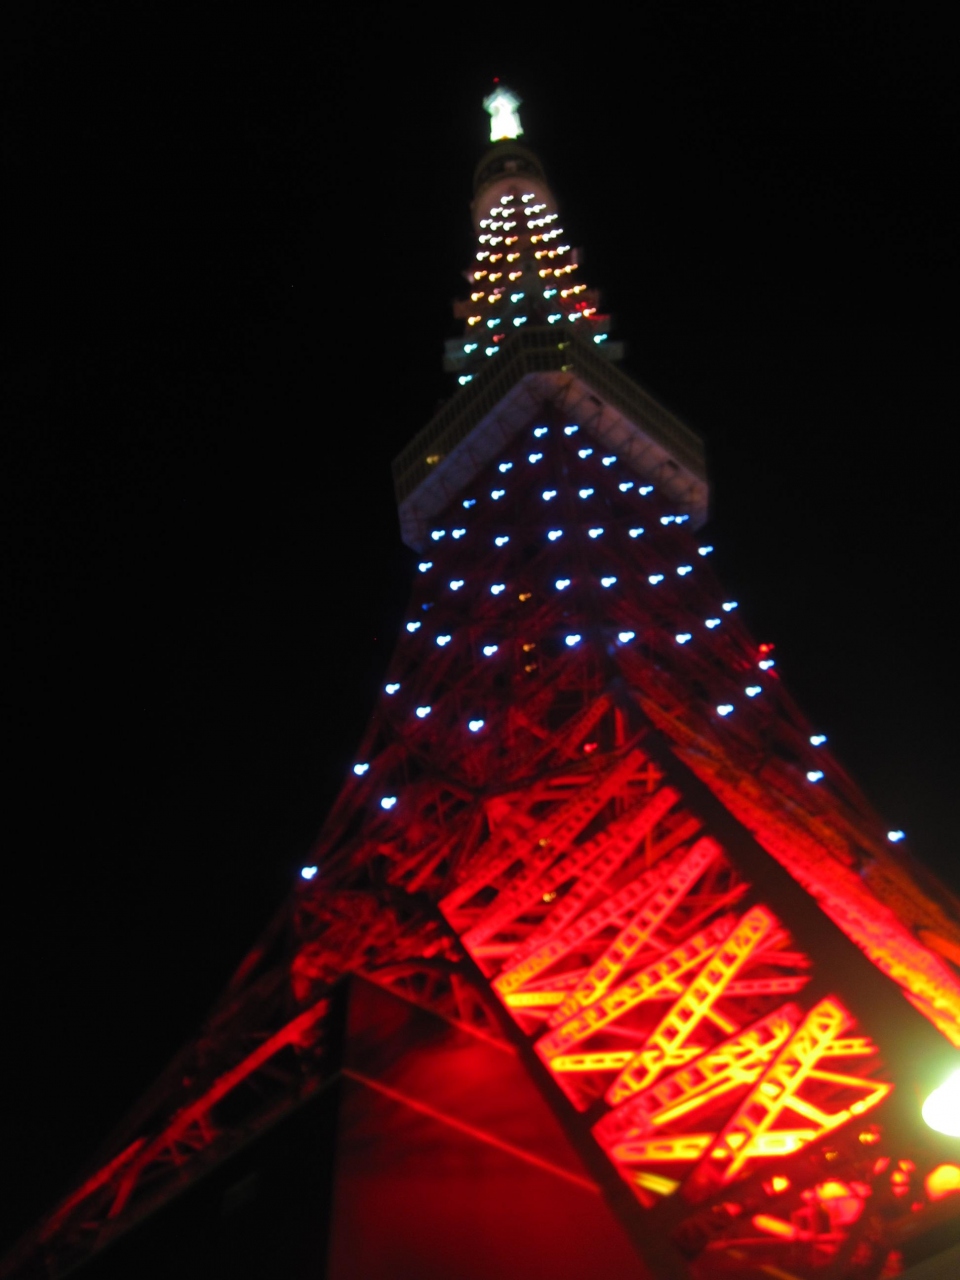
<point>519,849</point>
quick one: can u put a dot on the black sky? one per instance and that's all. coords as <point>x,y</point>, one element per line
<point>235,238</point>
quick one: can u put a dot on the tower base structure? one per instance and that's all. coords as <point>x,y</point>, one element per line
<point>425,1153</point>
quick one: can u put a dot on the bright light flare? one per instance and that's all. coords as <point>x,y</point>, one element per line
<point>941,1111</point>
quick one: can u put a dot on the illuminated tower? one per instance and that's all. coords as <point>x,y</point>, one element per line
<point>525,272</point>
<point>602,964</point>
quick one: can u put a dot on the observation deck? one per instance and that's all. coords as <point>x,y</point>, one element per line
<point>536,368</point>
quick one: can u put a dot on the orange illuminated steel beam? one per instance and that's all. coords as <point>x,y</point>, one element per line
<point>631,939</point>
<point>643,986</point>
<point>558,944</point>
<point>736,1063</point>
<point>666,1048</point>
<point>750,1131</point>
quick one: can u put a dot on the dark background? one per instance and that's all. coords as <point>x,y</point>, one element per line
<point>234,241</point>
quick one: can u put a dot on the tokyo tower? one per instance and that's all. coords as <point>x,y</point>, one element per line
<point>602,965</point>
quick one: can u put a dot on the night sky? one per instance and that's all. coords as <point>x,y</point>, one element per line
<point>235,241</point>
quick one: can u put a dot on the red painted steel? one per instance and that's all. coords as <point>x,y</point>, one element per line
<point>525,849</point>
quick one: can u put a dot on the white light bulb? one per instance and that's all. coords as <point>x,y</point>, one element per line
<point>391,689</point>
<point>501,541</point>
<point>308,872</point>
<point>388,802</point>
<point>437,534</point>
<point>489,650</point>
<point>683,638</point>
<point>654,578</point>
<point>423,712</point>
<point>570,431</point>
<point>458,533</point>
<point>715,622</point>
<point>562,583</point>
<point>645,489</point>
<point>607,582</point>
<point>594,533</point>
<point>474,725</point>
<point>506,466</point>
<point>534,457</point>
<point>548,495</point>
<point>625,486</point>
<point>572,640</point>
<point>584,453</point>
<point>424,565</point>
<point>765,664</point>
<point>360,769</point>
<point>752,690</point>
<point>456,584</point>
<point>635,533</point>
<point>540,431</point>
<point>724,709</point>
<point>626,636</point>
<point>941,1111</point>
<point>586,493</point>
<point>814,775</point>
<point>704,551</point>
<point>609,460</point>
<point>554,534</point>
<point>497,588</point>
<point>817,739</point>
<point>896,836</point>
<point>728,606</point>
<point>497,494</point>
<point>443,640</point>
<point>413,626</point>
<point>469,502</point>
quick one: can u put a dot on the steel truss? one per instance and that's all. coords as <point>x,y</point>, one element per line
<point>581,876</point>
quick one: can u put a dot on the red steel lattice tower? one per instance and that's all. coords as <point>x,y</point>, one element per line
<point>588,835</point>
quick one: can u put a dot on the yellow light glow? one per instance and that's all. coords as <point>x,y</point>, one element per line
<point>943,1181</point>
<point>941,1111</point>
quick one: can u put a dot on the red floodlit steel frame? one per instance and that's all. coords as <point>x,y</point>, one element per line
<point>555,835</point>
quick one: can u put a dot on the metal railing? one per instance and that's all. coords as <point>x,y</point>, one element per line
<point>540,350</point>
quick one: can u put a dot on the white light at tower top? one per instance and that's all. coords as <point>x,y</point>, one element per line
<point>501,106</point>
